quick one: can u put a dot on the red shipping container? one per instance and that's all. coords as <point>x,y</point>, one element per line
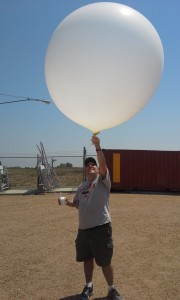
<point>143,170</point>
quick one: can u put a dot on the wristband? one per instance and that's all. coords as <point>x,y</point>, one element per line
<point>99,149</point>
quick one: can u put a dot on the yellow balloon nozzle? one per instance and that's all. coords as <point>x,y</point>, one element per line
<point>96,133</point>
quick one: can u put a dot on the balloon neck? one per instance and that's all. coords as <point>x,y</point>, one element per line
<point>96,133</point>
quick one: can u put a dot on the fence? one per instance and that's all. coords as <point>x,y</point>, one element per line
<point>22,170</point>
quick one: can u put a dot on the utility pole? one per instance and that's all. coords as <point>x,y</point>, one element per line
<point>84,157</point>
<point>52,162</point>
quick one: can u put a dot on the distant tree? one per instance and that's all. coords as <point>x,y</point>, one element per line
<point>66,165</point>
<point>69,165</point>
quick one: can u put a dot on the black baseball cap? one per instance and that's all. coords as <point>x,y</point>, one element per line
<point>90,159</point>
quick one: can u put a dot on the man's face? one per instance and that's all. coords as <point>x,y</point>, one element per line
<point>91,170</point>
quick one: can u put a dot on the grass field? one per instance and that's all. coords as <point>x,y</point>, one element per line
<point>26,178</point>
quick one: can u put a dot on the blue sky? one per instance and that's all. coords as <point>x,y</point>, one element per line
<point>26,27</point>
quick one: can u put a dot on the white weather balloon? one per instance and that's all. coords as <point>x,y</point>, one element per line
<point>103,64</point>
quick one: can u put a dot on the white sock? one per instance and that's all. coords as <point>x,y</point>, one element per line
<point>111,287</point>
<point>89,284</point>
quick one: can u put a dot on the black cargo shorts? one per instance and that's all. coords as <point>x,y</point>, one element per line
<point>95,242</point>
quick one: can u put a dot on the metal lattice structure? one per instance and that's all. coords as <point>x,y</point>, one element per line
<point>4,179</point>
<point>47,179</point>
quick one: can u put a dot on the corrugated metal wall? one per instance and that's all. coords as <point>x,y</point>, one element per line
<point>146,170</point>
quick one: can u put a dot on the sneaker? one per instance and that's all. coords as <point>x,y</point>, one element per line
<point>114,295</point>
<point>86,293</point>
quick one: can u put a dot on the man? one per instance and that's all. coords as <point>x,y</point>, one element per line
<point>94,238</point>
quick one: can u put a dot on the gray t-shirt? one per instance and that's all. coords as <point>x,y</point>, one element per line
<point>92,202</point>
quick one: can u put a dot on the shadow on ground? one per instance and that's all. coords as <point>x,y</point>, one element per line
<point>76,297</point>
<point>72,297</point>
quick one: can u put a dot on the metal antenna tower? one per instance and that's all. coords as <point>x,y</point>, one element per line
<point>47,178</point>
<point>4,179</point>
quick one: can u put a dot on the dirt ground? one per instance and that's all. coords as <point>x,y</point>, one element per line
<point>37,253</point>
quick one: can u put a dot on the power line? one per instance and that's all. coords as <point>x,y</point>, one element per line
<point>23,99</point>
<point>9,95</point>
<point>50,156</point>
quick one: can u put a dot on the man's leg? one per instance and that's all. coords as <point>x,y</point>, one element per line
<point>88,270</point>
<point>108,274</point>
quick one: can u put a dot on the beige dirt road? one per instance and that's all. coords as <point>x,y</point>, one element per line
<point>37,253</point>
